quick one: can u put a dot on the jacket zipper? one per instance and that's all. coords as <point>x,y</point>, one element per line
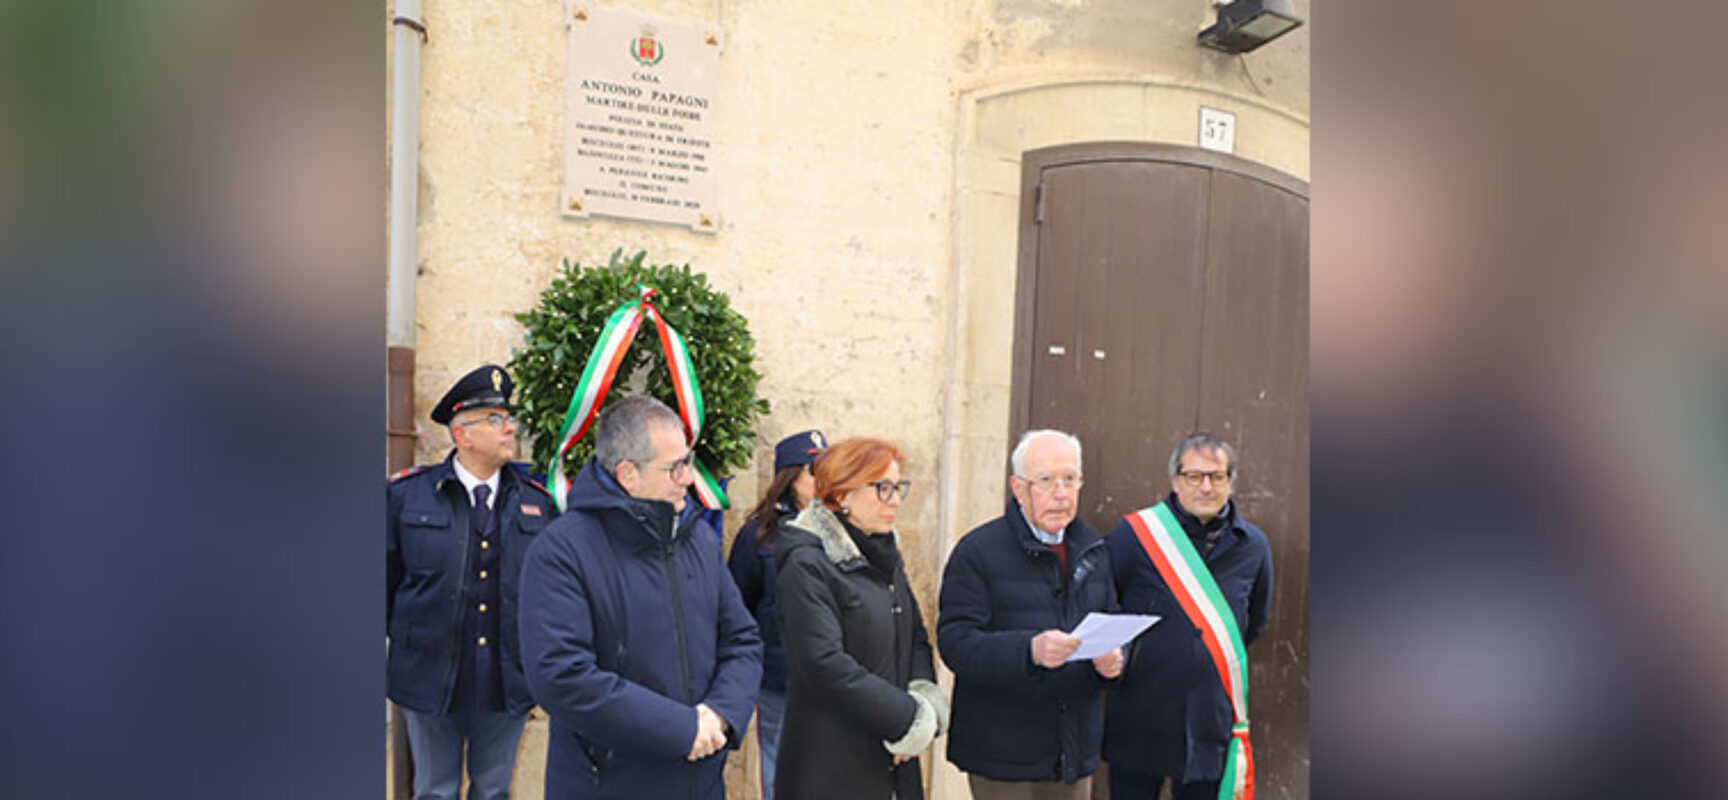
<point>894,612</point>
<point>1066,612</point>
<point>678,618</point>
<point>1060,593</point>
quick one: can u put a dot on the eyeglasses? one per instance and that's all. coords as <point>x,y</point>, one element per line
<point>1194,479</point>
<point>1048,483</point>
<point>885,488</point>
<point>676,470</point>
<point>497,421</point>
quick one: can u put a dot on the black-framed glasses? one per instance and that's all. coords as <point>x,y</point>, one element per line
<point>497,421</point>
<point>1194,479</point>
<point>886,489</point>
<point>1048,483</point>
<point>675,470</point>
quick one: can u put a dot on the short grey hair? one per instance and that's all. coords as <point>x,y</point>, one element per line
<point>1208,442</point>
<point>1018,459</point>
<point>622,433</point>
<point>456,418</point>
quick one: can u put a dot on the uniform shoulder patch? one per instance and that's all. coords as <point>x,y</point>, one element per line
<point>414,470</point>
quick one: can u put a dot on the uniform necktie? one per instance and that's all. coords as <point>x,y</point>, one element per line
<point>482,512</point>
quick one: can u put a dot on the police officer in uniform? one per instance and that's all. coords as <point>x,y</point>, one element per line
<point>457,533</point>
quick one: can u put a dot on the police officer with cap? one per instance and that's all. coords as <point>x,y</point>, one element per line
<point>457,533</point>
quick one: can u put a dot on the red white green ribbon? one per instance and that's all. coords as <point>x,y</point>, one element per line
<point>615,338</point>
<point>1189,579</point>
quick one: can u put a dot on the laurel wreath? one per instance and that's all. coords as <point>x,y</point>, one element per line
<point>565,329</point>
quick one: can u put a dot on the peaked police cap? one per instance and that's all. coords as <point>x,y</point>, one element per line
<point>486,387</point>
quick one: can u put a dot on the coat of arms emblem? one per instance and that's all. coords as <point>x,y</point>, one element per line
<point>646,49</point>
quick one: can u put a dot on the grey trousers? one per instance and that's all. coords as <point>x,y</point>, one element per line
<point>986,789</point>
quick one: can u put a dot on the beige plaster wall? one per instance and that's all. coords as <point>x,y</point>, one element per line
<point>869,180</point>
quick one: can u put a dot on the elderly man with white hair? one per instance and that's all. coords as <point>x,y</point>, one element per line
<point>1026,721</point>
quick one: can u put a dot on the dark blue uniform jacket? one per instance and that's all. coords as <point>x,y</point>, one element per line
<point>629,620</point>
<point>431,576</point>
<point>1015,720</point>
<point>1169,714</point>
<point>752,567</point>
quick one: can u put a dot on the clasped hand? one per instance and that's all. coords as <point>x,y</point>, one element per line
<point>710,733</point>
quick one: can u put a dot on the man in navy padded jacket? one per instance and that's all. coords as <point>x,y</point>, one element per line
<point>634,638</point>
<point>1027,722</point>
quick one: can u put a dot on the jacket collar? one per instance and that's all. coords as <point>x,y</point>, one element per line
<point>1231,524</point>
<point>1077,536</point>
<point>469,480</point>
<point>445,471</point>
<point>828,529</point>
<point>595,490</point>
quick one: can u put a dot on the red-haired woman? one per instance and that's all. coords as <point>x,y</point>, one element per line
<point>862,702</point>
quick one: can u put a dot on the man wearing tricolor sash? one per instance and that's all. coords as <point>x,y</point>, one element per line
<point>1180,712</point>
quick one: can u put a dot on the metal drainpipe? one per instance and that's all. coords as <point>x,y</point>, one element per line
<point>410,34</point>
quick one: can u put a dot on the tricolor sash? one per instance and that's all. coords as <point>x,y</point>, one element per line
<point>603,363</point>
<point>1191,582</point>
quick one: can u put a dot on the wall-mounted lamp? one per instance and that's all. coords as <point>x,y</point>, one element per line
<point>1244,25</point>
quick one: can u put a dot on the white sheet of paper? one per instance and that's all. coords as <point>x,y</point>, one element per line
<point>1101,633</point>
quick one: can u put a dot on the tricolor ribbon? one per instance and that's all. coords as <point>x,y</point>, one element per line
<point>596,381</point>
<point>1190,581</point>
